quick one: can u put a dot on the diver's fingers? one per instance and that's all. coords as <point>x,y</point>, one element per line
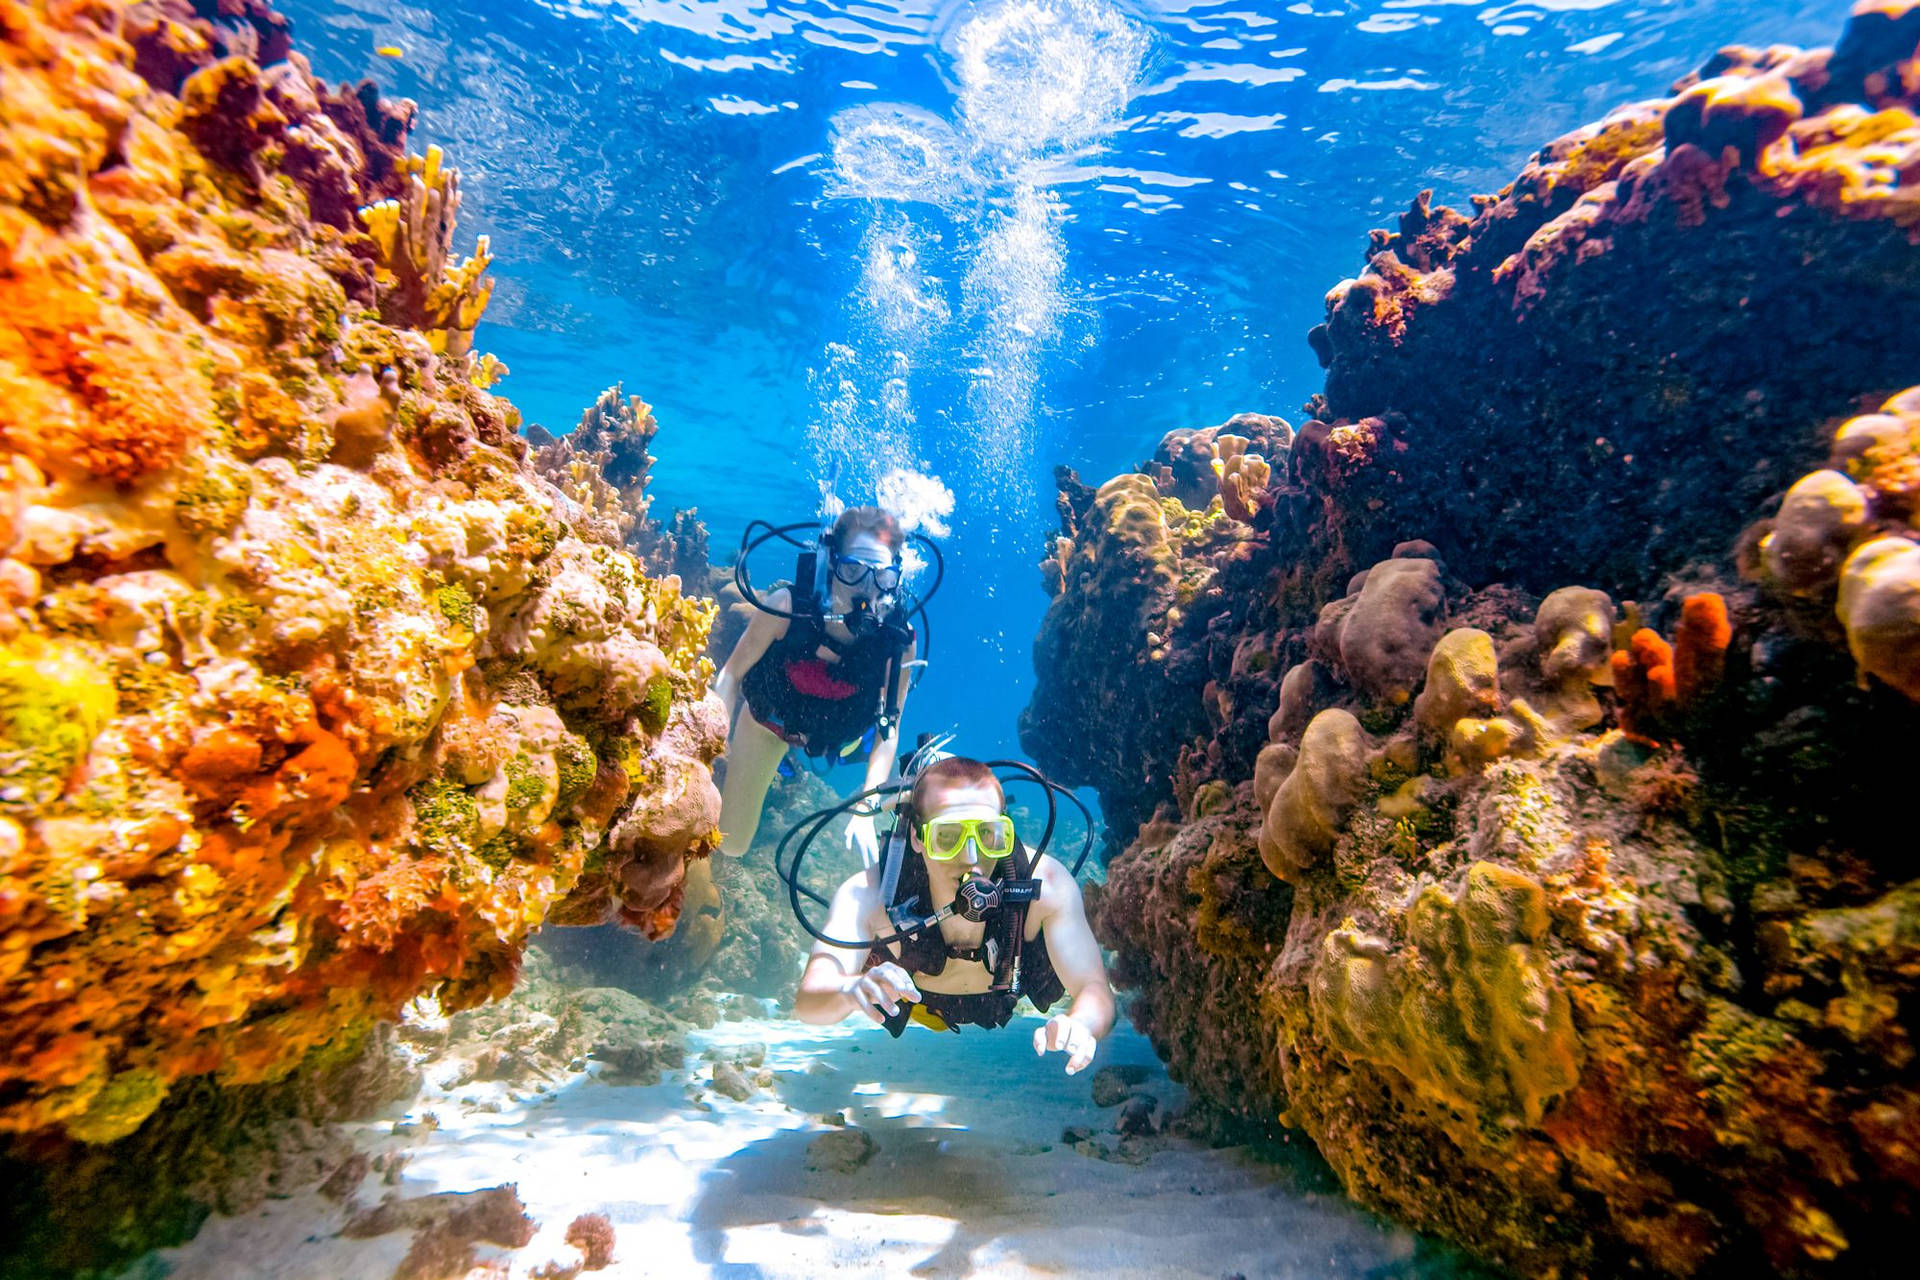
<point>1054,1035</point>
<point>897,980</point>
<point>1080,1050</point>
<point>873,996</point>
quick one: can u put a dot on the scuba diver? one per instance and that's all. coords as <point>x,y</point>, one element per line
<point>824,668</point>
<point>1015,925</point>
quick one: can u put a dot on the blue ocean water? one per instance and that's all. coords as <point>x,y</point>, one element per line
<point>919,240</point>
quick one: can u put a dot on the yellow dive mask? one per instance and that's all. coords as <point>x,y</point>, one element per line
<point>944,838</point>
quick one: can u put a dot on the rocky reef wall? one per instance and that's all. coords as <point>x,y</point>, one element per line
<point>1513,792</point>
<point>314,695</point>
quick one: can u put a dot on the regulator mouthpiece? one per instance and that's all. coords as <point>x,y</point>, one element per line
<point>976,897</point>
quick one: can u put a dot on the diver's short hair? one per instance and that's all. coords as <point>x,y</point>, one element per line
<point>876,521</point>
<point>955,773</point>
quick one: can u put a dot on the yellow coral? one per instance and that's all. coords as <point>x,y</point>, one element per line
<point>421,283</point>
<point>1468,1009</point>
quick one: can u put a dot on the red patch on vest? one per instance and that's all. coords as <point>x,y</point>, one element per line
<point>812,679</point>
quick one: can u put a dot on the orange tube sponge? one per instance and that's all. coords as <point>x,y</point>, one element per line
<point>1643,679</point>
<point>1700,646</point>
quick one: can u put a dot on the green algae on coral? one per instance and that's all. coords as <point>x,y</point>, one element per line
<point>656,704</point>
<point>577,765</point>
<point>456,605</point>
<point>446,818</point>
<point>53,700</point>
<point>525,784</point>
<point>213,501</point>
<point>498,851</point>
<point>122,1106</point>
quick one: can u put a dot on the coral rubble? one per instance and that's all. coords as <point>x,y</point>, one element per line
<point>1509,794</point>
<point>312,695</point>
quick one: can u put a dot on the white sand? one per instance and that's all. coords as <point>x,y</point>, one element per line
<point>961,1184</point>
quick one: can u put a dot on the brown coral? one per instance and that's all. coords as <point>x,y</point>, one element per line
<point>592,1235</point>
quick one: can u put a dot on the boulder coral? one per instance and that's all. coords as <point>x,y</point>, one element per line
<point>1513,807</point>
<point>1849,535</point>
<point>313,698</point>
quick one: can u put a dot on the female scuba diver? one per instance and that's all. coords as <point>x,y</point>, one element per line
<point>814,675</point>
<point>1014,927</point>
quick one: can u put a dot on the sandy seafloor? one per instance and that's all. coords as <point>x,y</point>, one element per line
<point>970,1176</point>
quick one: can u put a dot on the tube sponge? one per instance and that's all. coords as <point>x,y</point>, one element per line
<point>1700,645</point>
<point>1643,679</point>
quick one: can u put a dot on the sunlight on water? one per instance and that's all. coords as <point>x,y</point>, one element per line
<point>1040,74</point>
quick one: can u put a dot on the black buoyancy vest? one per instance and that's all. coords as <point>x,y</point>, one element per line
<point>817,705</point>
<point>928,952</point>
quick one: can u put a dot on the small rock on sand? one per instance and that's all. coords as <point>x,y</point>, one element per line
<point>840,1151</point>
<point>1137,1114</point>
<point>728,1082</point>
<point>343,1181</point>
<point>1110,1084</point>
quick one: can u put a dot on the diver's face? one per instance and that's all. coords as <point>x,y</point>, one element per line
<point>980,802</point>
<point>868,550</point>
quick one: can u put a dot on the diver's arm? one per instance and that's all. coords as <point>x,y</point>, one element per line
<point>862,831</point>
<point>1075,954</point>
<point>749,649</point>
<point>834,984</point>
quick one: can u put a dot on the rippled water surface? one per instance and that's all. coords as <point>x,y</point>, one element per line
<point>965,241</point>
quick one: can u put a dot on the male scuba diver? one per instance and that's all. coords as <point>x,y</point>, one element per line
<point>1014,927</point>
<point>819,675</point>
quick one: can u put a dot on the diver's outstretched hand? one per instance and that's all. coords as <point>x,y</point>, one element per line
<point>862,836</point>
<point>881,988</point>
<point>1068,1036</point>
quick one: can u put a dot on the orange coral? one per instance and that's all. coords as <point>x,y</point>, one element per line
<point>240,822</point>
<point>1653,679</point>
<point>118,398</point>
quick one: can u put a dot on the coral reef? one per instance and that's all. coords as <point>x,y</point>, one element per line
<point>79,1209</point>
<point>602,465</point>
<point>602,468</point>
<point>312,695</point>
<point>737,933</point>
<point>1512,804</point>
<point>1135,560</point>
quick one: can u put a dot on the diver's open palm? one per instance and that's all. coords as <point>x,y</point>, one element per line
<point>1070,1038</point>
